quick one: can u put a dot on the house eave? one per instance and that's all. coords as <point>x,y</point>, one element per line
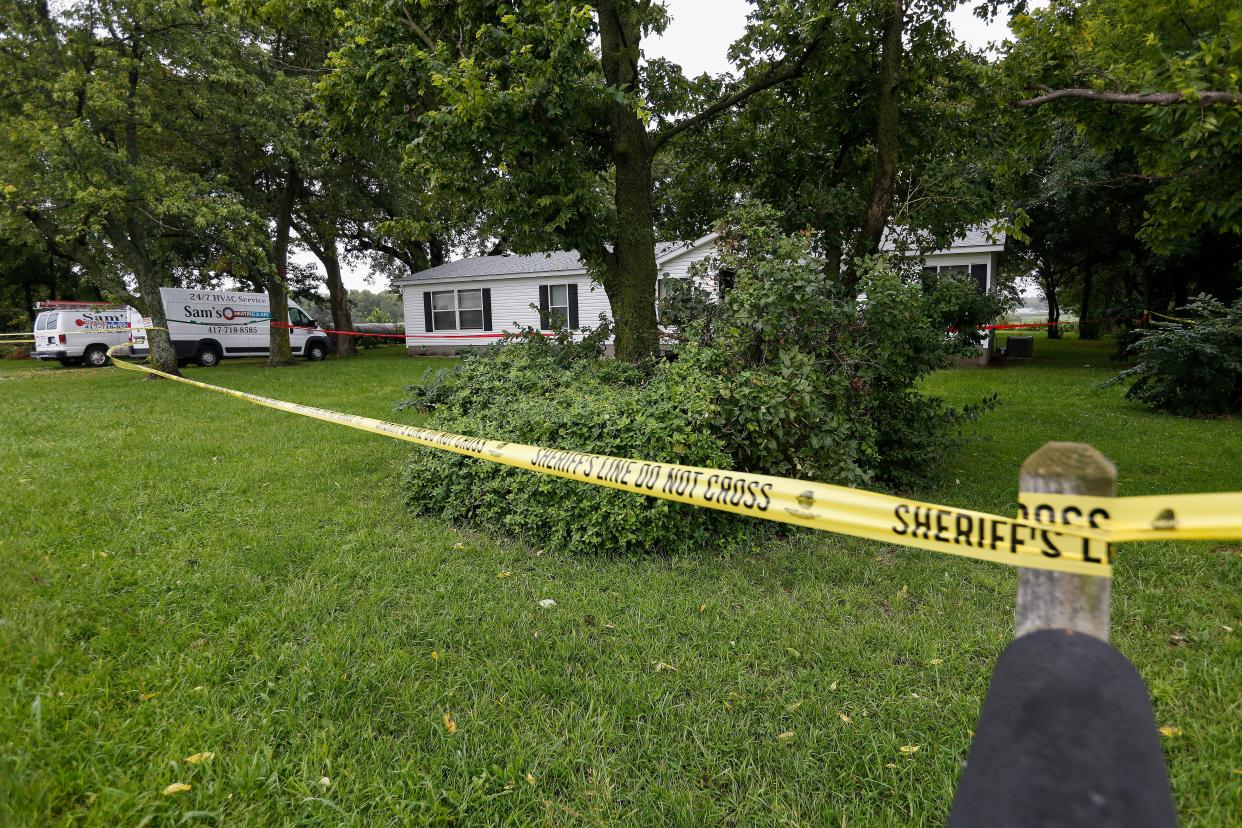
<point>954,251</point>
<point>537,274</point>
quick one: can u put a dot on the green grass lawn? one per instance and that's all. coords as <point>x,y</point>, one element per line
<point>185,573</point>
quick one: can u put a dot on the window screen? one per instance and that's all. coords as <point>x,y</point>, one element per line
<point>470,309</point>
<point>443,311</point>
<point>558,304</point>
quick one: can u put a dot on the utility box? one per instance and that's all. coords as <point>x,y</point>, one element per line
<point>1020,347</point>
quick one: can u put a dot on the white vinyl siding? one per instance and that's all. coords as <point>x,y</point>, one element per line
<point>678,265</point>
<point>515,300</point>
<point>515,305</point>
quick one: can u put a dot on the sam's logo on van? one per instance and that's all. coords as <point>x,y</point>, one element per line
<point>100,321</point>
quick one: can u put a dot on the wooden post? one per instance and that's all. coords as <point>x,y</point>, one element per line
<point>1060,600</point>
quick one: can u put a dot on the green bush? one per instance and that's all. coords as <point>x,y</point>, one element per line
<point>564,394</point>
<point>786,374</point>
<point>813,382</point>
<point>1191,368</point>
<point>955,303</point>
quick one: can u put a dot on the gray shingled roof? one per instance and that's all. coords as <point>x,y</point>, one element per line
<point>976,236</point>
<point>477,266</point>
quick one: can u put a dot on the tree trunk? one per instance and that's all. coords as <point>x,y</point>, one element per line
<point>886,135</point>
<point>31,313</point>
<point>435,247</point>
<point>832,261</point>
<point>338,299</point>
<point>161,353</point>
<point>278,283</point>
<point>129,240</point>
<point>1054,306</point>
<point>630,272</point>
<point>1087,329</point>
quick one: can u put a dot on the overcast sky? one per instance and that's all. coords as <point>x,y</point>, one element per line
<point>698,39</point>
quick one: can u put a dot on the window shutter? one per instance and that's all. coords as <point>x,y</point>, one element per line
<point>487,309</point>
<point>427,311</point>
<point>543,307</point>
<point>573,307</point>
<point>979,272</point>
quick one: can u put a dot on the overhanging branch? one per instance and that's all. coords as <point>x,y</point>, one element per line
<point>782,71</point>
<point>409,23</point>
<point>1206,98</point>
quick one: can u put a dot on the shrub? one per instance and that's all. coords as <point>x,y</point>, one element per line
<point>1191,368</point>
<point>955,303</point>
<point>14,351</point>
<point>564,394</point>
<point>813,382</point>
<point>785,374</point>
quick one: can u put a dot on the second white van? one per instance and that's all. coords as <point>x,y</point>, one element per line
<point>80,333</point>
<point>209,325</point>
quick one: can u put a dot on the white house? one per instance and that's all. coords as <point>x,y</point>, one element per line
<point>476,301</point>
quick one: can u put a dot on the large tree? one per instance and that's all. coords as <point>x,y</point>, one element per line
<point>546,118</point>
<point>1160,81</point>
<point>891,124</point>
<point>1087,208</point>
<point>107,119</point>
<point>283,46</point>
<point>355,206</point>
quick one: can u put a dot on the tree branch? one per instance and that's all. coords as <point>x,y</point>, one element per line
<point>416,29</point>
<point>1206,98</point>
<point>775,76</point>
<point>366,244</point>
<point>306,236</point>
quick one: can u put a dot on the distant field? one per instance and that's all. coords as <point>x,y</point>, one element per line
<point>186,573</point>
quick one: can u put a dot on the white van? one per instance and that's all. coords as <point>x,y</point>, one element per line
<point>209,325</point>
<point>80,333</point>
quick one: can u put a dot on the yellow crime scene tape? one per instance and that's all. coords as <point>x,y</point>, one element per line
<point>1062,533</point>
<point>1146,518</point>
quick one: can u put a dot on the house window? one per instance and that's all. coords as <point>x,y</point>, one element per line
<point>457,309</point>
<point>558,305</point>
<point>976,270</point>
<point>470,310</point>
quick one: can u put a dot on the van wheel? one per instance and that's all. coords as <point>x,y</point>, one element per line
<point>316,351</point>
<point>96,356</point>
<point>208,358</point>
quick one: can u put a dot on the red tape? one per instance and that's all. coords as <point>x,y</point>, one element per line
<point>397,335</point>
